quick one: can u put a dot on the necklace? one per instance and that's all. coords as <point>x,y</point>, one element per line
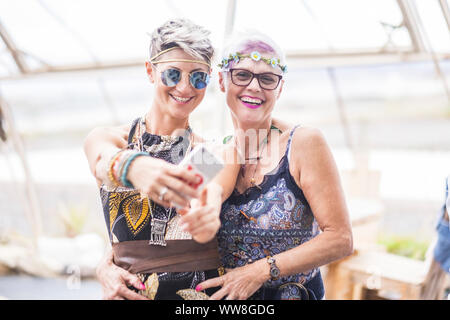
<point>166,143</point>
<point>252,180</point>
<point>158,225</point>
<point>264,143</point>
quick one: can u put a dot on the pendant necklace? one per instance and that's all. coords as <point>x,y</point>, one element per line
<point>158,226</point>
<point>258,158</point>
<point>252,180</point>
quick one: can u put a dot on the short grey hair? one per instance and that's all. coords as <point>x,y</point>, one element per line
<point>188,36</point>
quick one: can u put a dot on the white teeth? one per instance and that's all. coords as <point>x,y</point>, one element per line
<point>250,100</point>
<point>181,99</point>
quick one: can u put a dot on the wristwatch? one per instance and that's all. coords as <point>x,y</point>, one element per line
<point>274,270</point>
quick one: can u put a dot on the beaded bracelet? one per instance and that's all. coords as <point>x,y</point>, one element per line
<point>114,168</point>
<point>121,162</point>
<point>123,176</point>
<point>112,178</point>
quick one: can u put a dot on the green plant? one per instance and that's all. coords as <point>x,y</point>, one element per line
<point>73,217</point>
<point>406,246</point>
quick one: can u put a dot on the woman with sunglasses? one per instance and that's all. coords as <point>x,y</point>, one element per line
<point>140,182</point>
<point>287,215</point>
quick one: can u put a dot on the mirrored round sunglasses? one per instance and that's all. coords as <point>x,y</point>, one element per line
<point>198,79</point>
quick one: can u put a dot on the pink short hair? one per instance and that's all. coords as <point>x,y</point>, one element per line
<point>256,45</point>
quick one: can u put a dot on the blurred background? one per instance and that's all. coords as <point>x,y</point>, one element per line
<point>372,75</point>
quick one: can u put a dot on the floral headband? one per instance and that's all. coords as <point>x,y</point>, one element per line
<point>256,56</point>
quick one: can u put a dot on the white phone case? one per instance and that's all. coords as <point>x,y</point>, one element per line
<point>204,164</point>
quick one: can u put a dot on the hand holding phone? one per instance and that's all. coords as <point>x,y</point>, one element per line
<point>204,164</point>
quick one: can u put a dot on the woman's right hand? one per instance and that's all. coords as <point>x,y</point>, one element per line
<point>115,281</point>
<point>152,176</point>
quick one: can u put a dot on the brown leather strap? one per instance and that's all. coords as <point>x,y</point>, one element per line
<point>178,256</point>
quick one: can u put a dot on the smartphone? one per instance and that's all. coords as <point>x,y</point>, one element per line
<point>204,163</point>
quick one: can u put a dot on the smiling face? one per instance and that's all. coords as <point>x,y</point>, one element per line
<point>179,100</point>
<point>250,105</point>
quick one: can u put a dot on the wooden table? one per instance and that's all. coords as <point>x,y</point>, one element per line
<point>365,216</point>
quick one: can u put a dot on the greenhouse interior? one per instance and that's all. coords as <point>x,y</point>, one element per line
<point>372,76</point>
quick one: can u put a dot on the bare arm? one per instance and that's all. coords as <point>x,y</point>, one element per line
<point>227,177</point>
<point>101,144</point>
<point>148,174</point>
<point>319,179</point>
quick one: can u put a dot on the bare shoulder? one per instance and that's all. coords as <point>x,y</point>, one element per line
<point>122,130</point>
<point>309,149</point>
<point>118,134</point>
<point>302,134</point>
<point>307,138</point>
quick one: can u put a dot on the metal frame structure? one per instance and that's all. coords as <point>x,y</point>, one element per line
<point>411,21</point>
<point>421,51</point>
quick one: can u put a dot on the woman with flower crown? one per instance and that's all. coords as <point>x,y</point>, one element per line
<point>286,215</point>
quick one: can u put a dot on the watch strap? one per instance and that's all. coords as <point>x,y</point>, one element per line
<point>274,270</point>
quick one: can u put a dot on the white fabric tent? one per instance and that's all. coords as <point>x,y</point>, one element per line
<point>47,35</point>
<point>45,41</point>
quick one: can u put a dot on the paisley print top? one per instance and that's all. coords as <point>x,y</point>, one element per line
<point>278,218</point>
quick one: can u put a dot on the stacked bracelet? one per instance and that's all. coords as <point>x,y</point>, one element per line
<point>121,163</point>
<point>123,176</point>
<point>118,167</point>
<point>112,164</point>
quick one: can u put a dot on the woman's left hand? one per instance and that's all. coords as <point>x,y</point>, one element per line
<point>202,219</point>
<point>239,283</point>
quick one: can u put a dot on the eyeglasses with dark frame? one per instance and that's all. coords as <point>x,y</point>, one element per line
<point>266,80</point>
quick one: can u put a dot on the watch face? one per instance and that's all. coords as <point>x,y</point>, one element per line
<point>274,272</point>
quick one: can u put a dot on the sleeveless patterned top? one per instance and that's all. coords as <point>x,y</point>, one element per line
<point>279,218</point>
<point>128,217</point>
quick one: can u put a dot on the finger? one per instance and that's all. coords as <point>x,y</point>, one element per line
<point>195,203</point>
<point>210,283</point>
<point>152,192</point>
<point>184,173</point>
<point>175,199</point>
<point>203,197</point>
<point>241,297</point>
<point>131,295</point>
<point>155,198</point>
<point>180,187</point>
<point>168,197</point>
<point>209,228</point>
<point>219,294</point>
<point>198,222</point>
<point>132,280</point>
<point>195,218</point>
<point>231,296</point>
